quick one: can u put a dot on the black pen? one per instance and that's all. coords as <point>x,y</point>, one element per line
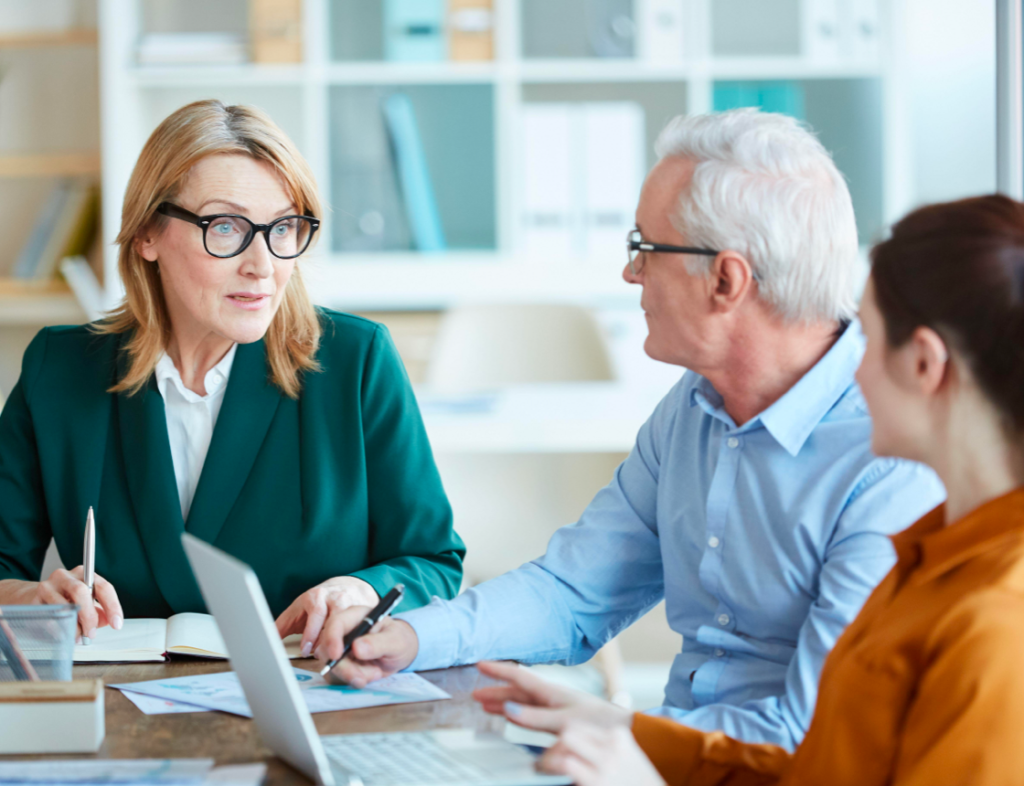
<point>382,609</point>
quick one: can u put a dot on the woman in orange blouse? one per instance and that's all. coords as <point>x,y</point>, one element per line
<point>926,686</point>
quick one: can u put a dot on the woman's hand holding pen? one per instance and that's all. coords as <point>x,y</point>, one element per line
<point>315,612</point>
<point>67,586</point>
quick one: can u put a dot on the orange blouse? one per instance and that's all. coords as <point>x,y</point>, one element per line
<point>925,687</point>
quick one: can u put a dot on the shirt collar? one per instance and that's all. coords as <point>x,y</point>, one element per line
<point>937,548</point>
<point>793,418</point>
<point>215,381</point>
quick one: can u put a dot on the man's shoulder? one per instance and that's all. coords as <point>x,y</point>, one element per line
<point>850,405</point>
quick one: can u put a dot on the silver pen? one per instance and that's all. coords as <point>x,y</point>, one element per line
<point>89,558</point>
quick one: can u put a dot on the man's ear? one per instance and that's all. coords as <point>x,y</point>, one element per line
<point>730,278</point>
<point>925,361</point>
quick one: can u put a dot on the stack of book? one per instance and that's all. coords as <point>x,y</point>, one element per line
<point>66,226</point>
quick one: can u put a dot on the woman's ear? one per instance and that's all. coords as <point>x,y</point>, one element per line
<point>926,360</point>
<point>145,244</point>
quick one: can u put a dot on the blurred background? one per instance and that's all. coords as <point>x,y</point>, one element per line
<point>481,160</point>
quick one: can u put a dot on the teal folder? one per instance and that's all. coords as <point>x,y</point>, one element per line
<point>784,97</point>
<point>413,175</point>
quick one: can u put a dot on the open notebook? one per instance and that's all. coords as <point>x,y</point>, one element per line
<point>141,640</point>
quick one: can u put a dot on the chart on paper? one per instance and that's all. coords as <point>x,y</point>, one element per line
<point>223,692</point>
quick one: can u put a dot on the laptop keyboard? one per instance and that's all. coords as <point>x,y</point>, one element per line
<point>396,759</point>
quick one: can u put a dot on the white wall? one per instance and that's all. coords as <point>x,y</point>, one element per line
<point>950,88</point>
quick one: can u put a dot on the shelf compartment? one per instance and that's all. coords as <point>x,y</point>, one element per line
<point>455,125</point>
<point>49,164</point>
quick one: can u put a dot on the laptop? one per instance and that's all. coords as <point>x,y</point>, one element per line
<point>454,757</point>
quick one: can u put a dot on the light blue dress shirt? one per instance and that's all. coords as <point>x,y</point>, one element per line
<point>764,541</point>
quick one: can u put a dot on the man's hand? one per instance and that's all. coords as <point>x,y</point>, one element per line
<point>391,646</point>
<point>66,586</point>
<point>314,613</point>
<point>594,756</point>
<point>529,701</point>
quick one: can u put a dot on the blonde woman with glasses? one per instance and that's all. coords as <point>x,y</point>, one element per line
<point>218,400</point>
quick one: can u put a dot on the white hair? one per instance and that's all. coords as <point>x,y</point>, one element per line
<point>765,187</point>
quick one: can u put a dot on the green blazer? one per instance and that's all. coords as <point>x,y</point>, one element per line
<point>339,482</point>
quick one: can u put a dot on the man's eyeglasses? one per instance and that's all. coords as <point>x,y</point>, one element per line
<point>227,235</point>
<point>636,247</point>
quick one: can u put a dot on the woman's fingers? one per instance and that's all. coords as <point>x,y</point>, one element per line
<point>317,611</point>
<point>71,589</point>
<point>500,694</point>
<point>111,612</point>
<point>540,692</point>
<point>561,763</point>
<point>535,717</point>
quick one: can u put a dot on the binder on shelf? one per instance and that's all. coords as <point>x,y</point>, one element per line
<point>471,29</point>
<point>275,30</point>
<point>822,30</point>
<point>614,164</point>
<point>549,223</point>
<point>413,174</point>
<point>583,169</point>
<point>661,31</point>
<point>785,97</point>
<point>414,30</point>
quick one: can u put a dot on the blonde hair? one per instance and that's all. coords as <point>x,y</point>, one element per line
<point>202,129</point>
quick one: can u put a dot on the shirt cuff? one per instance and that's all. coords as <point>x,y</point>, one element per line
<point>434,633</point>
<point>674,750</point>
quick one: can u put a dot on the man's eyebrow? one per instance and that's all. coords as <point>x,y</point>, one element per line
<point>241,208</point>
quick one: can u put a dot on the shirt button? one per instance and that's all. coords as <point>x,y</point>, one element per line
<point>723,619</point>
<point>719,653</point>
<point>713,542</point>
<point>732,442</point>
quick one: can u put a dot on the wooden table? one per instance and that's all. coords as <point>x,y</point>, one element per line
<point>230,739</point>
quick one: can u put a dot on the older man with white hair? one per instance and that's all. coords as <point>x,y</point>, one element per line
<point>751,502</point>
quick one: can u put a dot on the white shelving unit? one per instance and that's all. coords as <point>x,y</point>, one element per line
<point>135,99</point>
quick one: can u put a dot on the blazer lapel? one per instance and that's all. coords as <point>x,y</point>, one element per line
<point>154,494</point>
<point>250,403</point>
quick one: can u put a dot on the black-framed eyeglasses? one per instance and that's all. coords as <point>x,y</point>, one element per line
<point>227,235</point>
<point>636,246</point>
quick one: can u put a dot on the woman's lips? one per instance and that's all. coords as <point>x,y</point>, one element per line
<point>249,301</point>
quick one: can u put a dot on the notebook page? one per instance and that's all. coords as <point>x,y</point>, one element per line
<point>195,634</point>
<point>138,641</point>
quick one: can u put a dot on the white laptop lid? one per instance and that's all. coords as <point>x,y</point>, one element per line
<point>234,596</point>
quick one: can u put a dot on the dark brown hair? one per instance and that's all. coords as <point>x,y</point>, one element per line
<point>958,268</point>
